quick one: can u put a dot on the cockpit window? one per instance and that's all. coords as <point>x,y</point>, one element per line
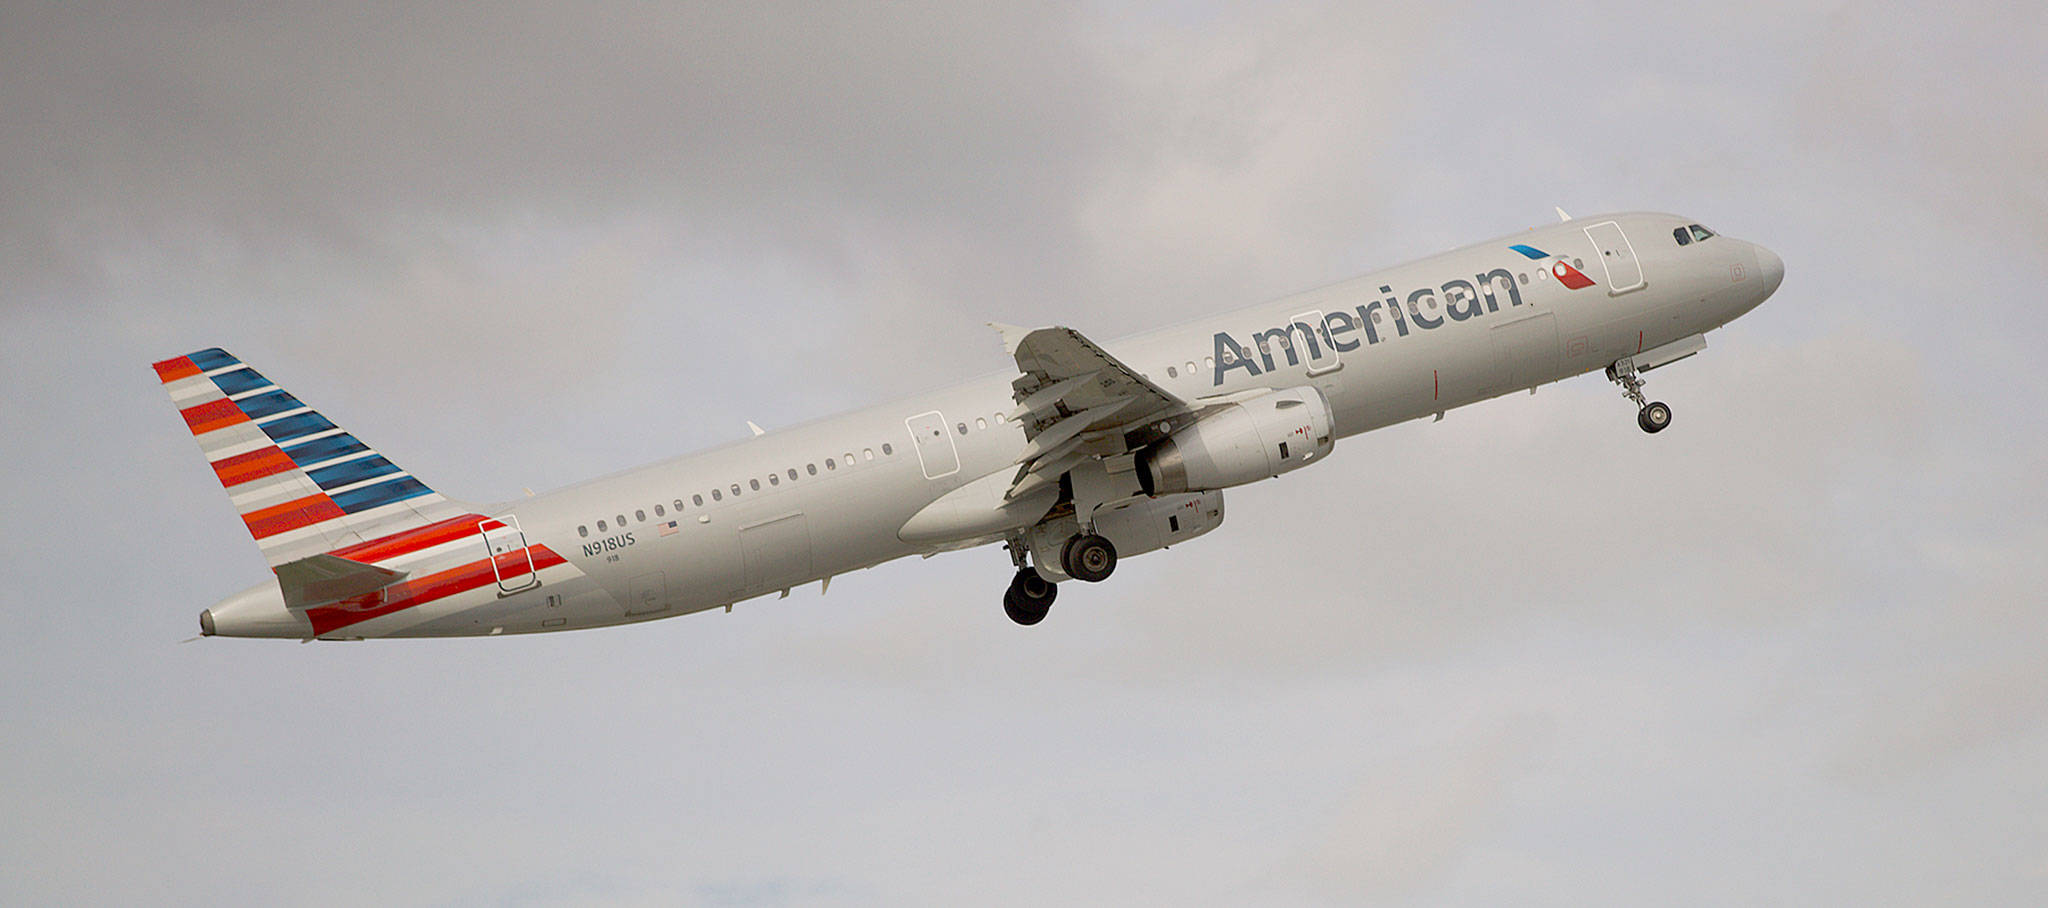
<point>1682,235</point>
<point>1700,233</point>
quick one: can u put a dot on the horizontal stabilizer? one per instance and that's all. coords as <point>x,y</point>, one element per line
<point>326,578</point>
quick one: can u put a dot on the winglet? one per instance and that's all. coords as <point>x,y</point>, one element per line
<point>1012,336</point>
<point>1561,216</point>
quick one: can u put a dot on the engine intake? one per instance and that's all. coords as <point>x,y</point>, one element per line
<point>1244,442</point>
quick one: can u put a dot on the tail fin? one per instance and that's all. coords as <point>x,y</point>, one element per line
<point>302,485</point>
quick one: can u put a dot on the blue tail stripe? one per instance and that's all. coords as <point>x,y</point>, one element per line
<point>291,427</point>
<point>268,404</point>
<point>381,494</point>
<point>324,449</point>
<point>212,358</point>
<point>354,471</point>
<point>240,380</point>
<point>1530,251</point>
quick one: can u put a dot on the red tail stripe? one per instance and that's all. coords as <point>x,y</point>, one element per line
<point>171,370</point>
<point>241,468</point>
<point>291,515</point>
<point>212,415</point>
<point>431,588</point>
<point>405,543</point>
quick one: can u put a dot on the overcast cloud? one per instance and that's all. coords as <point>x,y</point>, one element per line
<point>1788,652</point>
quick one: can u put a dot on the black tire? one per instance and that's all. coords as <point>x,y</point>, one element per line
<point>1654,418</point>
<point>1090,558</point>
<point>1029,598</point>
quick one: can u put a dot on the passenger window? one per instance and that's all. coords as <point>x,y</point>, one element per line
<point>736,490</point>
<point>775,479</point>
<point>640,516</point>
<point>792,474</point>
<point>848,459</point>
<point>697,500</point>
<point>979,424</point>
<point>963,431</point>
<point>600,526</point>
<point>1172,372</point>
<point>1191,369</point>
<point>869,453</point>
<point>583,531</point>
<point>1209,362</point>
<point>716,495</point>
<point>886,450</point>
<point>622,521</point>
<point>811,468</point>
<point>1579,264</point>
<point>659,511</point>
<point>1524,276</point>
<point>679,506</point>
<point>829,465</point>
<point>754,484</point>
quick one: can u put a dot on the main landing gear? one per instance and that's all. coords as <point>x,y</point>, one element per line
<point>1087,557</point>
<point>1030,597</point>
<point>1653,415</point>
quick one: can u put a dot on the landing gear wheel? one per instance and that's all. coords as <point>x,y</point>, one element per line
<point>1654,417</point>
<point>1088,558</point>
<point>1029,598</point>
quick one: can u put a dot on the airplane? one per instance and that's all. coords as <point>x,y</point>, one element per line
<point>1083,455</point>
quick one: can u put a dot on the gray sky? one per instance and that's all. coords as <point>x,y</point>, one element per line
<point>1789,651</point>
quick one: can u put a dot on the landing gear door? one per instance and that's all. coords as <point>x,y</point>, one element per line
<point>1624,272</point>
<point>511,560</point>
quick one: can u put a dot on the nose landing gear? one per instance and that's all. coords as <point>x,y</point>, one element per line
<point>1652,415</point>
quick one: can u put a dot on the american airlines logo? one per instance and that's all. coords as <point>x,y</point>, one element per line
<point>1425,309</point>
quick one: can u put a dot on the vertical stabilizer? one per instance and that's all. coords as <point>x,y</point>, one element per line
<point>303,485</point>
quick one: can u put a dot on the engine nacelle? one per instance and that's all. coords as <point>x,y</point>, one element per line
<point>1243,442</point>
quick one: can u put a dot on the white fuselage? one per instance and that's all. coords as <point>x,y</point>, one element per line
<point>805,503</point>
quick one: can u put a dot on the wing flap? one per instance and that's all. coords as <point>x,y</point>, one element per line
<point>1076,402</point>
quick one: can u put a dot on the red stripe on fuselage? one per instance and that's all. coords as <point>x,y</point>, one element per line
<point>291,515</point>
<point>433,587</point>
<point>171,370</point>
<point>212,415</point>
<point>241,468</point>
<point>386,548</point>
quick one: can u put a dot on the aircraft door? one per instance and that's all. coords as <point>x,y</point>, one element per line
<point>1311,340</point>
<point>935,451</point>
<point>1526,351</point>
<point>650,594</point>
<point>511,560</point>
<point>1624,272</point>
<point>776,553</point>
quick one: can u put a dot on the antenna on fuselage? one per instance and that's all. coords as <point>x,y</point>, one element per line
<point>1561,216</point>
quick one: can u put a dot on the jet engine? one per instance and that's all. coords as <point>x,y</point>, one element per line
<point>1243,442</point>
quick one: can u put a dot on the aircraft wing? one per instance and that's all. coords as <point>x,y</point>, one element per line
<point>1077,402</point>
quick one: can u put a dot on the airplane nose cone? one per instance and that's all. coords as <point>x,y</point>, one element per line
<point>1771,268</point>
